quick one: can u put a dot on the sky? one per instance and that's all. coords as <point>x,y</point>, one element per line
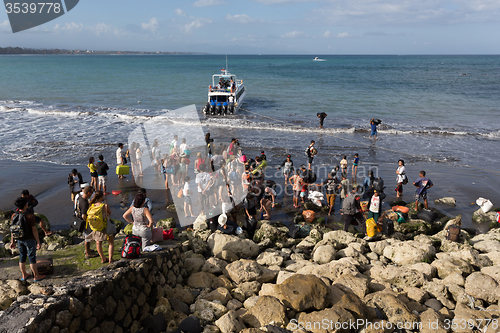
<point>318,27</point>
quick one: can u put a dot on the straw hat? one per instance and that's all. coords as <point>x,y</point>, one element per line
<point>222,220</point>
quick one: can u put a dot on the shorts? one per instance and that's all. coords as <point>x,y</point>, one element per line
<point>330,198</point>
<point>373,133</point>
<point>311,159</point>
<point>98,236</point>
<point>187,200</point>
<point>296,194</point>
<point>421,196</point>
<point>73,195</point>
<point>27,249</point>
<point>303,194</point>
<point>103,180</point>
<point>93,174</point>
<point>399,188</point>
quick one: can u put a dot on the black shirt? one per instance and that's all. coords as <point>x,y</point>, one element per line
<point>83,206</point>
<point>102,168</point>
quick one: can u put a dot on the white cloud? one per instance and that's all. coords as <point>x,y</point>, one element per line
<point>327,34</point>
<point>196,23</point>
<point>343,35</point>
<point>294,34</point>
<point>401,13</point>
<point>73,26</point>
<point>4,24</point>
<point>241,18</point>
<point>206,3</point>
<point>180,12</point>
<point>152,25</point>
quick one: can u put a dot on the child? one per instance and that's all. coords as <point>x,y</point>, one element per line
<point>296,182</point>
<point>186,191</point>
<point>93,173</point>
<point>355,167</point>
<point>423,184</point>
<point>343,165</point>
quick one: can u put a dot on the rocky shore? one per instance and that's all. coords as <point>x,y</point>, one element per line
<point>328,281</point>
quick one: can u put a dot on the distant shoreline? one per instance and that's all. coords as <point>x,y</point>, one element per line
<point>20,50</point>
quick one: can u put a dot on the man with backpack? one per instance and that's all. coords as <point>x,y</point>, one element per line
<point>423,184</point>
<point>23,231</point>
<point>75,179</point>
<point>32,202</point>
<point>81,208</point>
<point>351,208</point>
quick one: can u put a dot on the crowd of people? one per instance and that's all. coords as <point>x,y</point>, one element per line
<point>226,182</point>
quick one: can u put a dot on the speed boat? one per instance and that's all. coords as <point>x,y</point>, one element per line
<point>225,94</point>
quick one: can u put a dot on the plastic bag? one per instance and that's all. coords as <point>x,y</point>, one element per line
<point>309,216</point>
<point>372,228</point>
<point>485,204</point>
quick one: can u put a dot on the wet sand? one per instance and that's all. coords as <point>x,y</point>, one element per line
<point>48,183</point>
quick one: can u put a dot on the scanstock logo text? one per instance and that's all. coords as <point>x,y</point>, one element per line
<point>27,14</point>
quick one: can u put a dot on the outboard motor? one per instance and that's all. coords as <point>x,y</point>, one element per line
<point>224,108</point>
<point>206,109</point>
<point>212,108</point>
<point>218,108</point>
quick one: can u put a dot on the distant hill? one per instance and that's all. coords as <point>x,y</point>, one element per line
<point>19,50</point>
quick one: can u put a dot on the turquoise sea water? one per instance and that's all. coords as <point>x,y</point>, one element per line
<point>63,108</point>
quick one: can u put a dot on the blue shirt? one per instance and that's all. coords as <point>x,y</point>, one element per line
<point>423,184</point>
<point>374,127</point>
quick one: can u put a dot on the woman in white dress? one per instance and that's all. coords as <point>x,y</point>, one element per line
<point>400,172</point>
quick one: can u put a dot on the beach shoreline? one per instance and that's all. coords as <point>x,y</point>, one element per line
<point>47,182</point>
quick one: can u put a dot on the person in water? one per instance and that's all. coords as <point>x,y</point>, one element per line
<point>373,125</point>
<point>321,117</point>
<point>287,166</point>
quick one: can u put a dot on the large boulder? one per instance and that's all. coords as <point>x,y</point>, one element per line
<point>332,270</point>
<point>352,284</point>
<point>449,265</point>
<point>482,286</point>
<point>477,319</point>
<point>230,323</point>
<point>300,292</point>
<point>409,252</point>
<point>270,258</point>
<point>214,265</point>
<point>243,270</point>
<point>267,310</point>
<point>342,237</point>
<point>193,265</point>
<point>480,217</point>
<point>450,201</point>
<point>201,280</point>
<point>413,226</point>
<point>324,254</point>
<point>392,307</point>
<point>488,245</point>
<point>242,248</point>
<point>272,232</point>
<point>398,276</point>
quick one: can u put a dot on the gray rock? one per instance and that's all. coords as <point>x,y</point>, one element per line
<point>230,323</point>
<point>324,254</point>
<point>446,201</point>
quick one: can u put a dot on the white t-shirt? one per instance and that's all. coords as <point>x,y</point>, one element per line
<point>401,170</point>
<point>375,204</point>
<point>119,155</point>
<point>202,179</point>
<point>183,147</point>
<point>186,189</point>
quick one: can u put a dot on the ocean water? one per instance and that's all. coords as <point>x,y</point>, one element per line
<point>63,109</point>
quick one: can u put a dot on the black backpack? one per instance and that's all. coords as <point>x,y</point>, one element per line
<point>19,227</point>
<point>378,184</point>
<point>388,227</point>
<point>132,247</point>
